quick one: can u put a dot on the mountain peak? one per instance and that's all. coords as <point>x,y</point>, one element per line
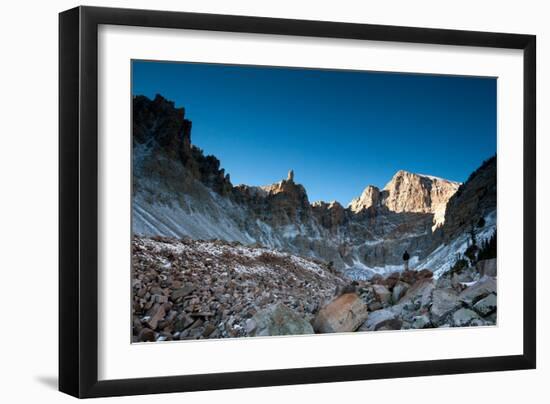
<point>369,197</point>
<point>409,192</point>
<point>401,174</point>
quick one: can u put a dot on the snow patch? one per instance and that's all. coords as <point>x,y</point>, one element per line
<point>443,258</point>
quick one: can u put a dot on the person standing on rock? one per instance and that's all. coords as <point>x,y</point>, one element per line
<point>406,259</point>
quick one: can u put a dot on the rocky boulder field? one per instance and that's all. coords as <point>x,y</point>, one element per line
<point>192,289</point>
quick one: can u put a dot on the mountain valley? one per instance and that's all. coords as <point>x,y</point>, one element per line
<point>273,253</point>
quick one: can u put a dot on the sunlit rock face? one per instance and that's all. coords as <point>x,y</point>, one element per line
<point>409,192</point>
<point>178,191</point>
<point>369,198</point>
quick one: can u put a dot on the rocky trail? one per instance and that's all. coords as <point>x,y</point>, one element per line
<point>193,289</point>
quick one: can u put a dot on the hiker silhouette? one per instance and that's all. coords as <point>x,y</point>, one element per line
<point>406,259</point>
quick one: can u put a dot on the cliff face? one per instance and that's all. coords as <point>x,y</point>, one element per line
<point>369,198</point>
<point>161,129</point>
<point>475,199</point>
<point>282,203</point>
<point>180,192</point>
<point>330,215</point>
<point>159,124</point>
<point>409,192</point>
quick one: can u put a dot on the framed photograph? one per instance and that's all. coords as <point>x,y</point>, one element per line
<point>251,201</point>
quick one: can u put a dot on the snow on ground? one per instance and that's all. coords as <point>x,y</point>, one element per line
<point>359,271</point>
<point>439,261</point>
<point>442,259</point>
<point>246,259</point>
<point>434,178</point>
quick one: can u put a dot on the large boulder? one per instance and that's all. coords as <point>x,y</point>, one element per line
<point>444,282</point>
<point>420,293</point>
<point>422,321</point>
<point>482,288</point>
<point>408,276</point>
<point>487,267</point>
<point>277,319</point>
<point>444,302</point>
<point>375,318</point>
<point>391,280</point>
<point>466,275</point>
<point>465,317</point>
<point>424,274</point>
<point>146,335</point>
<point>399,290</point>
<point>383,295</point>
<point>487,305</point>
<point>390,324</point>
<point>343,314</point>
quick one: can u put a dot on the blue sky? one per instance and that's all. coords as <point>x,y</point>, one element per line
<point>339,130</point>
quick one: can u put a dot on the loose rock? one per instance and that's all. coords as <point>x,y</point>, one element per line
<point>278,320</point>
<point>478,291</point>
<point>444,302</point>
<point>154,315</point>
<point>146,335</point>
<point>422,321</point>
<point>399,291</point>
<point>487,305</point>
<point>463,317</point>
<point>382,294</point>
<point>182,292</point>
<point>376,318</point>
<point>388,325</point>
<point>345,313</point>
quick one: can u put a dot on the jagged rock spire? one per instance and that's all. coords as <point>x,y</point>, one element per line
<point>290,176</point>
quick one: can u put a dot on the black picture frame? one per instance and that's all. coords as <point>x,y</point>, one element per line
<point>78,201</point>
